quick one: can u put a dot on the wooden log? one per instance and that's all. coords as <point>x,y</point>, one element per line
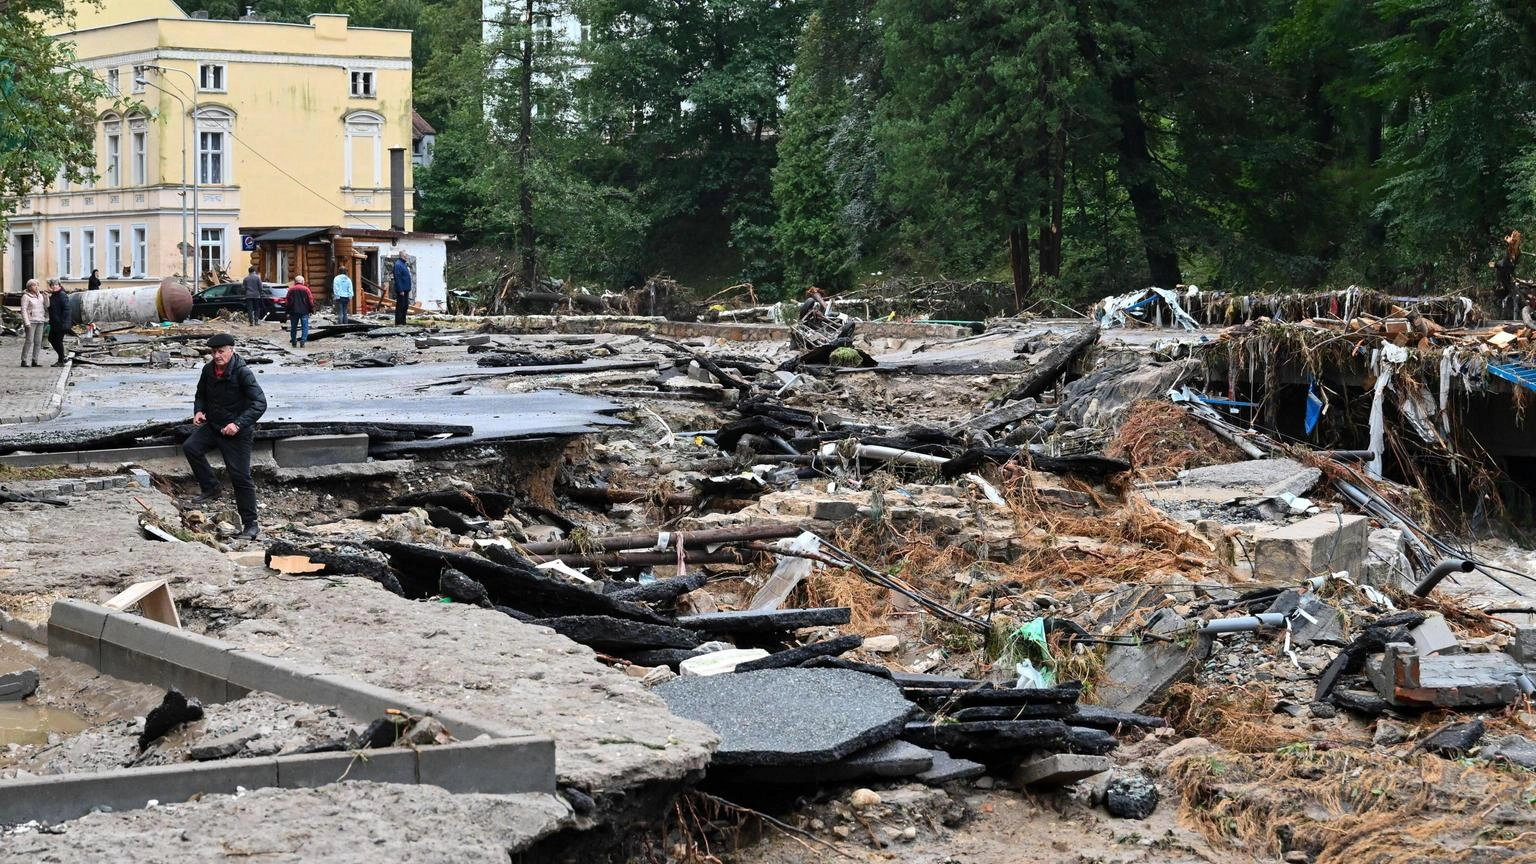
<point>1045,373</point>
<point>725,378</point>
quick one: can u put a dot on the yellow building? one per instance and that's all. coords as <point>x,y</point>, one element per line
<point>221,124</point>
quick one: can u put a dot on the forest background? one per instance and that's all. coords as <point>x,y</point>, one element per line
<point>1066,148</point>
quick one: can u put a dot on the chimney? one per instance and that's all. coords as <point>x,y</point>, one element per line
<point>397,188</point>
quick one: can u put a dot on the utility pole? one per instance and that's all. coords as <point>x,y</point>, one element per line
<point>525,153</point>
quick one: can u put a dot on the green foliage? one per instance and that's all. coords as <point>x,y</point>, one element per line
<point>47,103</point>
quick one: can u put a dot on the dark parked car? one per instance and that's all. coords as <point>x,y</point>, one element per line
<point>210,301</point>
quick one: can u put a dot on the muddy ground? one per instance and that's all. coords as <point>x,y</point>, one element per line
<point>614,738</point>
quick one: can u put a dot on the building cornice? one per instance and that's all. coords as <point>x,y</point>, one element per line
<point>223,55</point>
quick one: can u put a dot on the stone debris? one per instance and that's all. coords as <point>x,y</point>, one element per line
<point>781,717</point>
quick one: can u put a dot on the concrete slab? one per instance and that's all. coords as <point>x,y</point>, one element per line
<point>790,716</point>
<point>74,631</point>
<point>494,767</point>
<point>948,769</point>
<point>1061,769</point>
<point>889,760</point>
<point>1312,620</point>
<point>1136,674</point>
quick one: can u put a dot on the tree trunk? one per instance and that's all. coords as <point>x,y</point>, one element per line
<point>1141,186</point>
<point>525,153</point>
<point>1053,173</point>
<point>1018,261</point>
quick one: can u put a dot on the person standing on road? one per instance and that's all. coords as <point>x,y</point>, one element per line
<point>59,320</point>
<point>301,304</point>
<point>402,286</point>
<point>34,314</point>
<point>341,292</point>
<point>94,283</point>
<point>255,294</point>
<point>224,411</point>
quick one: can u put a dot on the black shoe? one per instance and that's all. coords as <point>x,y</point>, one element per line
<point>249,532</point>
<point>35,364</point>
<point>204,498</point>
<point>23,364</point>
<point>60,363</point>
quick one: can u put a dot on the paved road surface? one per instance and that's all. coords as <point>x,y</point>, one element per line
<point>102,398</point>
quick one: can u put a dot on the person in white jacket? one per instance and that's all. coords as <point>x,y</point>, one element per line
<point>34,314</point>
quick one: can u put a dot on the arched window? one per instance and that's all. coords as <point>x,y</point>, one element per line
<point>364,154</point>
<point>215,140</point>
<point>112,148</point>
<point>138,149</point>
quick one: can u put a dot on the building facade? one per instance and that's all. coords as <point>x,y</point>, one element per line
<point>217,124</point>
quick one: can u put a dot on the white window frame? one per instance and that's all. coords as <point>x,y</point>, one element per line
<point>221,122</point>
<point>114,82</point>
<point>138,136</point>
<point>115,251</point>
<point>364,124</point>
<point>221,243</point>
<point>64,243</point>
<point>369,81</point>
<point>138,84</point>
<point>112,141</point>
<point>138,249</point>
<point>87,252</point>
<point>219,74</point>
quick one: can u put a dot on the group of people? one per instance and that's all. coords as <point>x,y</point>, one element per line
<point>301,300</point>
<point>42,311</point>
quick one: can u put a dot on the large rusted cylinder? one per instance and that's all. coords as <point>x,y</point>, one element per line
<point>150,304</point>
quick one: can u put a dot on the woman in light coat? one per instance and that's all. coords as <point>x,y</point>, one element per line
<point>34,314</point>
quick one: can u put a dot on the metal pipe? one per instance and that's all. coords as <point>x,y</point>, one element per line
<point>1244,623</point>
<point>146,304</point>
<point>1442,570</point>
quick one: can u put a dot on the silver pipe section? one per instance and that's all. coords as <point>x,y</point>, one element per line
<point>148,304</point>
<point>1442,570</point>
<point>1244,623</point>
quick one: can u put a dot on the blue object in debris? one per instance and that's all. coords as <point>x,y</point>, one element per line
<point>1519,373</point>
<point>1314,405</point>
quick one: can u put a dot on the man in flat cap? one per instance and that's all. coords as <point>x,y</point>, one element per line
<point>225,411</point>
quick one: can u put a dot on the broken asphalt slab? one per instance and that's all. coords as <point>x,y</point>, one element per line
<point>616,635</point>
<point>889,760</point>
<point>766,621</point>
<point>789,716</point>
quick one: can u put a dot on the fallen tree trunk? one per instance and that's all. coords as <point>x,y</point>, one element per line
<point>1044,374</point>
<point>725,378</point>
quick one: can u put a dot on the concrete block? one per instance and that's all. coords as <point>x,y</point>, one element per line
<point>1325,543</point>
<point>304,451</point>
<point>1434,637</point>
<point>498,767</point>
<point>69,796</point>
<point>1061,769</point>
<point>74,631</point>
<point>32,460</point>
<point>118,455</point>
<point>138,649</point>
<point>1523,646</point>
<point>309,770</point>
<point>141,477</point>
<point>1403,677</point>
<point>365,701</point>
<point>280,678</point>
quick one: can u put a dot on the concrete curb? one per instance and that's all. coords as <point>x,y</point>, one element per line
<point>497,761</point>
<point>55,400</point>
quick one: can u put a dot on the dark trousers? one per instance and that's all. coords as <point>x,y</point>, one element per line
<point>253,309</point>
<point>56,339</point>
<point>236,451</point>
<point>402,302</point>
<point>341,309</point>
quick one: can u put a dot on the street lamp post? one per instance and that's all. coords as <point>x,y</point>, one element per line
<point>185,246</point>
<point>197,234</point>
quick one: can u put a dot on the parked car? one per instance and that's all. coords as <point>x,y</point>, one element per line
<point>210,301</point>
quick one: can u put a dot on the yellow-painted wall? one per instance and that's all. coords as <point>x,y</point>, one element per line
<point>285,107</point>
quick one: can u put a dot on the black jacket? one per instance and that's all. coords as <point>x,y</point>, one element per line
<point>236,398</point>
<point>59,318</point>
